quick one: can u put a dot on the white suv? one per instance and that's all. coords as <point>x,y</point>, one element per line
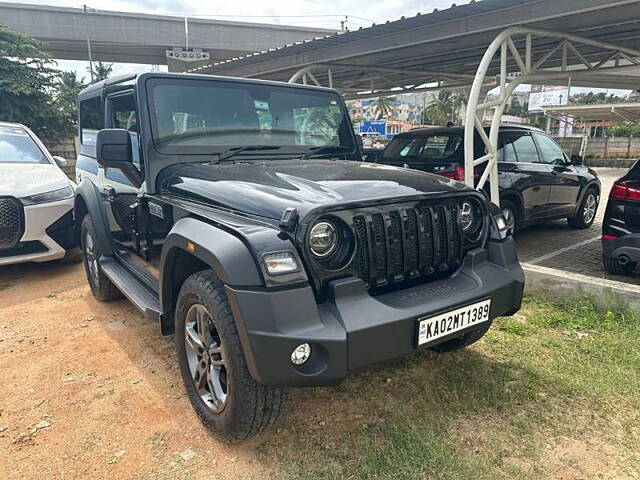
<point>36,200</point>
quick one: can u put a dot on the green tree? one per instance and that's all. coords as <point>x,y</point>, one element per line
<point>28,86</point>
<point>101,71</point>
<point>442,108</point>
<point>624,130</point>
<point>68,88</point>
<point>459,101</point>
<point>383,106</point>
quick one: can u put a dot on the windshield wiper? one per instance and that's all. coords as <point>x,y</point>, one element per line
<point>323,149</point>
<point>230,152</point>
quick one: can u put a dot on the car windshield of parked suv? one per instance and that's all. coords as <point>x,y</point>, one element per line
<point>16,146</point>
<point>204,116</point>
<point>431,147</point>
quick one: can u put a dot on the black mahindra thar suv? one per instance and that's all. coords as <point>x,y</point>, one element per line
<point>237,213</point>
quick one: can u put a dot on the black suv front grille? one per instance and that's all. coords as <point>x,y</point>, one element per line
<point>403,244</point>
<point>11,222</point>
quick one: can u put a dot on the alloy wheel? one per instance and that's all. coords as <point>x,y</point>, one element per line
<point>590,206</point>
<point>92,258</point>
<point>510,218</point>
<point>205,358</point>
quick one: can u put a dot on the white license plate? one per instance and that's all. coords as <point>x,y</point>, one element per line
<point>438,326</point>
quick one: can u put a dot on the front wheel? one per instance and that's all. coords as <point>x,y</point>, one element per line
<point>220,388</point>
<point>586,212</point>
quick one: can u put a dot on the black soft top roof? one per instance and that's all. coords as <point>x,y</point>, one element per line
<point>124,80</point>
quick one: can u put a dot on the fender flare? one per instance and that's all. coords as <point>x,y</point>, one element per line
<point>223,252</point>
<point>88,194</point>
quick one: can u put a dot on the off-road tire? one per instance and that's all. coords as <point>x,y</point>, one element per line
<point>470,337</point>
<point>612,266</point>
<point>250,407</point>
<point>101,287</point>
<point>579,221</point>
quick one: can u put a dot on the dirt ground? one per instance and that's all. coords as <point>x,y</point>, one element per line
<point>91,390</point>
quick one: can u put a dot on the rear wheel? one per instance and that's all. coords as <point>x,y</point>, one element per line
<point>614,267</point>
<point>101,287</point>
<point>586,211</point>
<point>221,390</point>
<point>511,215</point>
<point>472,336</point>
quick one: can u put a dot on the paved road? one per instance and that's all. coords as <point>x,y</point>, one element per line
<point>555,245</point>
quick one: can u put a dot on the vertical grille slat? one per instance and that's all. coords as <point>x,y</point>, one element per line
<point>379,250</point>
<point>362,242</point>
<point>396,257</point>
<point>394,245</point>
<point>11,222</point>
<point>412,245</point>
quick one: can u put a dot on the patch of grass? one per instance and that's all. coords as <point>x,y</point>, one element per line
<point>556,372</point>
<point>4,286</point>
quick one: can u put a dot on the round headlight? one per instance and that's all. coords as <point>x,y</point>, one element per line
<point>323,239</point>
<point>467,216</point>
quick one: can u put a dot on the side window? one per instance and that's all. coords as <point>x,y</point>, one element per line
<point>506,152</point>
<point>91,120</point>
<point>123,114</point>
<point>550,151</point>
<point>524,147</point>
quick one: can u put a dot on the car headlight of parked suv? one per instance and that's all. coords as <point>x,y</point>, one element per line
<point>471,219</point>
<point>48,197</point>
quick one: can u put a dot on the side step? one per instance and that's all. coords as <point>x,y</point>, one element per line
<point>142,297</point>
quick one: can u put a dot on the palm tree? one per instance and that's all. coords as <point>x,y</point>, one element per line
<point>441,108</point>
<point>101,71</point>
<point>459,100</point>
<point>383,106</point>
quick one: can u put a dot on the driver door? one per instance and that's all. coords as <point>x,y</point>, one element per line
<point>118,193</point>
<point>565,184</point>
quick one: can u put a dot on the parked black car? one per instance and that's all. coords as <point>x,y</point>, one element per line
<point>621,225</point>
<point>236,213</point>
<point>537,180</point>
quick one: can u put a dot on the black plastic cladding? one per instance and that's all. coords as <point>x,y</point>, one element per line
<point>400,244</point>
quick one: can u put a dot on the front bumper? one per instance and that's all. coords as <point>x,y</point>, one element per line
<point>48,234</point>
<point>353,329</point>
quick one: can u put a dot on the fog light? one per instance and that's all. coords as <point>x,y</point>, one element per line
<point>301,354</point>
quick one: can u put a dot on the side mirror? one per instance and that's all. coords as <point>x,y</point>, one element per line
<point>114,150</point>
<point>61,162</point>
<point>576,159</point>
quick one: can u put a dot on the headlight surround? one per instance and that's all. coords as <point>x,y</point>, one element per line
<point>471,219</point>
<point>330,243</point>
<point>48,197</point>
<point>323,239</point>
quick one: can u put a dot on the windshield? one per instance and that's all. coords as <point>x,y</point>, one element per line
<point>433,147</point>
<point>16,146</point>
<point>207,116</point>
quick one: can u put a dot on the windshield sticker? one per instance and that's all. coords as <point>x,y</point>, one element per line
<point>261,105</point>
